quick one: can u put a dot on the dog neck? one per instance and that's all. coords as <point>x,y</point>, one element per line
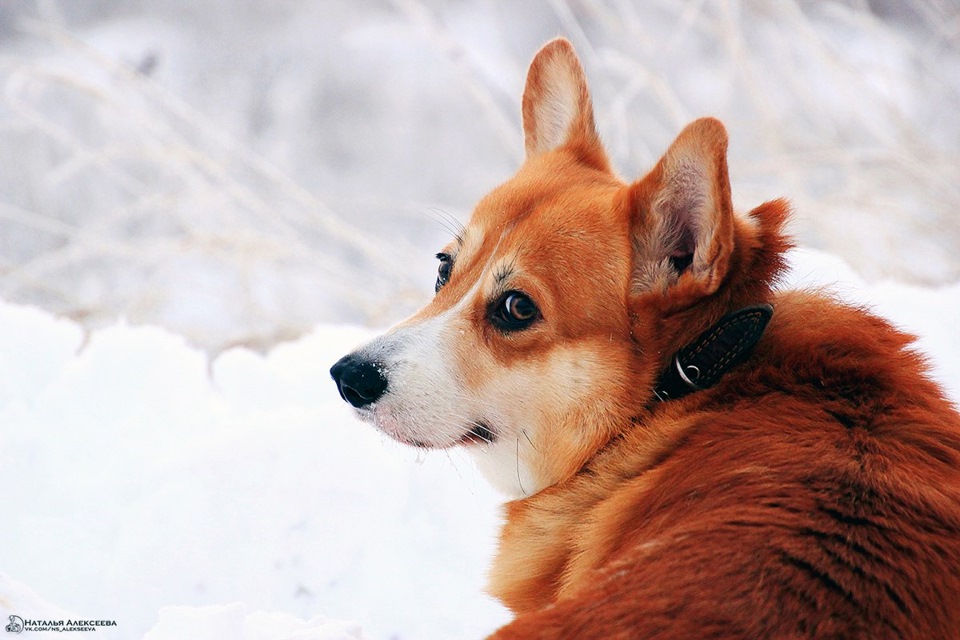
<point>544,521</point>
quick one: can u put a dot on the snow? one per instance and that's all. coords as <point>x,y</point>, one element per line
<point>238,622</point>
<point>239,498</point>
<point>146,479</point>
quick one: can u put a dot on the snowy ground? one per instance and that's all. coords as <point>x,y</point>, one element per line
<point>144,479</point>
<point>242,500</point>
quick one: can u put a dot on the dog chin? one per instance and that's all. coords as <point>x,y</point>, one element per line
<point>498,460</point>
<point>389,424</point>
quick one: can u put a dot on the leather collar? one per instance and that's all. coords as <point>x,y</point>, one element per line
<point>702,363</point>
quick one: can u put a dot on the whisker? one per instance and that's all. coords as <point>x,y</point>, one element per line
<point>479,434</point>
<point>448,222</point>
<point>453,221</point>
<point>477,439</point>
<point>454,465</point>
<point>525,435</point>
<point>519,480</point>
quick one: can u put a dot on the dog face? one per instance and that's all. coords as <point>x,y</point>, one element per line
<point>528,329</point>
<point>528,355</point>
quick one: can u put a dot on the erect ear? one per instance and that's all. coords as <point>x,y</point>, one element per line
<point>684,227</point>
<point>557,110</point>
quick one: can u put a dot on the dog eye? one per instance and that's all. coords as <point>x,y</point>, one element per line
<point>514,311</point>
<point>443,271</point>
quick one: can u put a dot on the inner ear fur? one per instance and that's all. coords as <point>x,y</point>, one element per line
<point>683,217</point>
<point>557,111</point>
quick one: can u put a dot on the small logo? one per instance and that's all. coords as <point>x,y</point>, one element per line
<point>16,624</point>
<point>19,625</point>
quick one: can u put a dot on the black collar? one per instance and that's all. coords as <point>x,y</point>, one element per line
<point>702,363</point>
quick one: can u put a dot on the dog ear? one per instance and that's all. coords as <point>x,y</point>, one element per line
<point>684,226</point>
<point>557,110</point>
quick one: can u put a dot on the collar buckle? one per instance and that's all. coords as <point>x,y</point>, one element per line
<point>684,375</point>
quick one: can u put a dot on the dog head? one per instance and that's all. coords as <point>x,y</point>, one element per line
<point>565,295</point>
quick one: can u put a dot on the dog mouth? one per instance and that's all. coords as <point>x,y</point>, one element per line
<point>480,433</point>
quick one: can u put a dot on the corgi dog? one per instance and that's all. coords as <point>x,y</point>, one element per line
<point>690,452</point>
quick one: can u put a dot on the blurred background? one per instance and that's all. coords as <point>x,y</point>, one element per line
<point>238,171</point>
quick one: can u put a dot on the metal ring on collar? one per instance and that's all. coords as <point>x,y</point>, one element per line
<point>683,374</point>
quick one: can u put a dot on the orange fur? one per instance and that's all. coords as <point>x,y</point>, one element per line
<point>814,492</point>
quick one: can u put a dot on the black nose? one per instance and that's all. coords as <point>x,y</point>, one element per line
<point>360,381</point>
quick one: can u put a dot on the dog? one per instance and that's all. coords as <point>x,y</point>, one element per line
<point>690,451</point>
